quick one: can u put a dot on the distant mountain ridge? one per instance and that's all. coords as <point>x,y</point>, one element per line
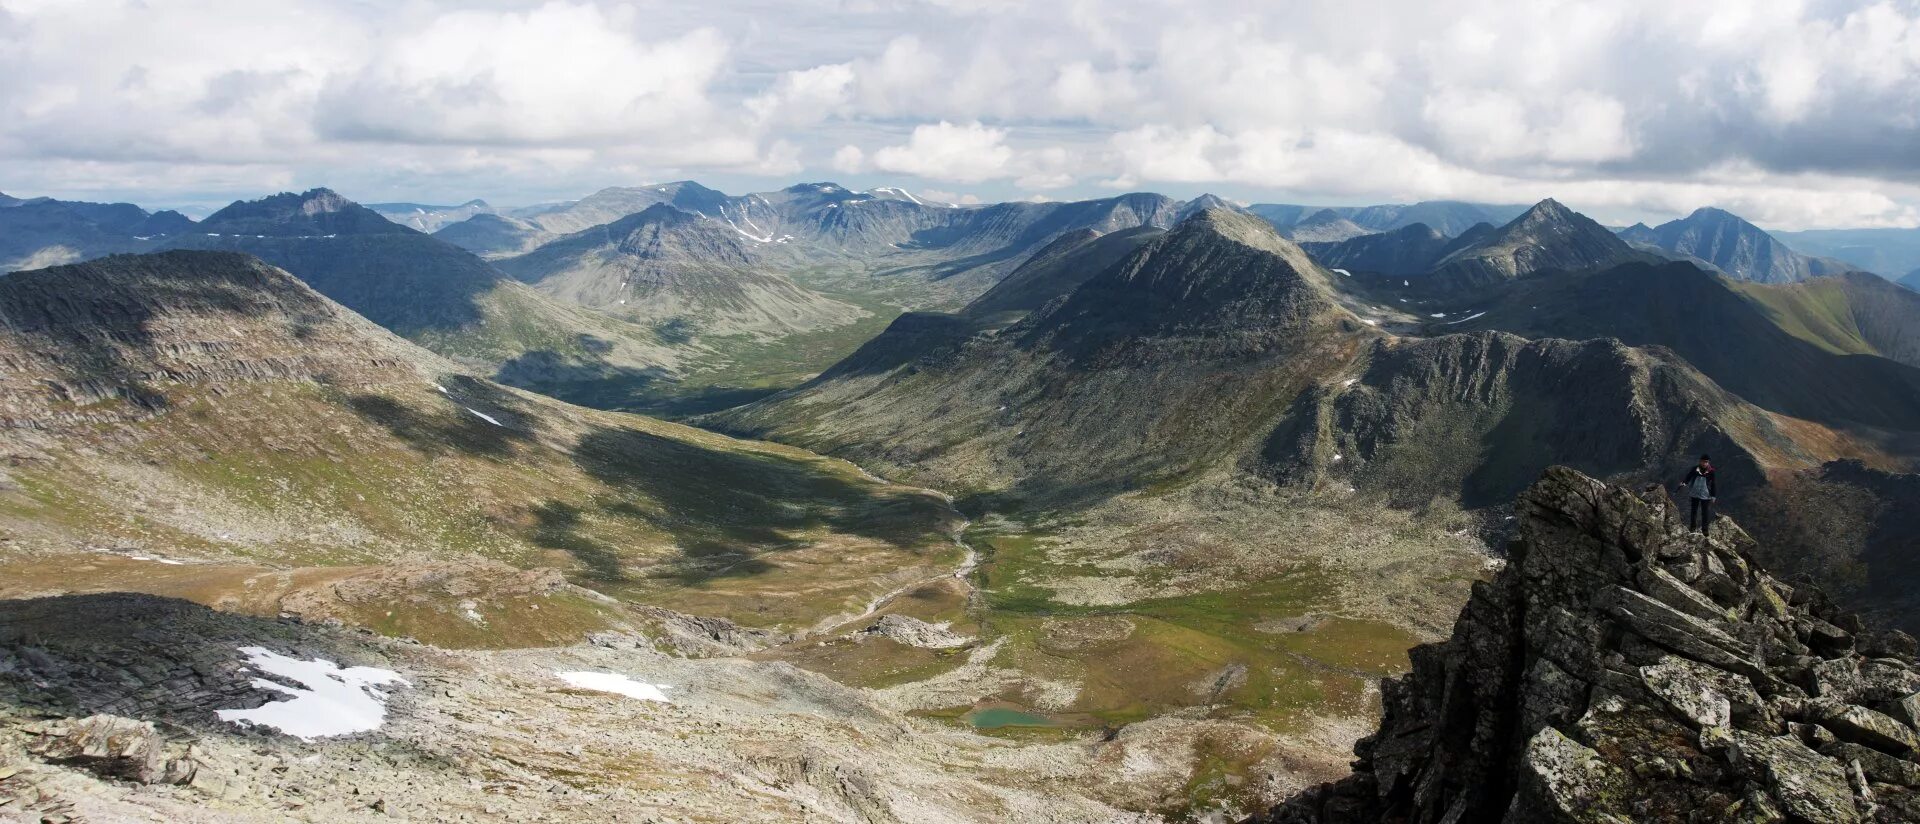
<point>1729,244</point>
<point>1223,315</point>
<point>1448,217</point>
<point>435,294</point>
<point>1887,252</point>
<point>1548,236</point>
<point>42,231</point>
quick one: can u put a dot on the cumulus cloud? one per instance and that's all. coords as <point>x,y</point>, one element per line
<point>965,153</point>
<point>1798,114</point>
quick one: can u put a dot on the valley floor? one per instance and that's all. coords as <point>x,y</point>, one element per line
<point>1160,656</point>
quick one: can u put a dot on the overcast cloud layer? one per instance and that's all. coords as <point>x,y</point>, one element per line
<point>1795,114</point>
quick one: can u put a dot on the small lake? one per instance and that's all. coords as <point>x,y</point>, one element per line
<point>993,718</point>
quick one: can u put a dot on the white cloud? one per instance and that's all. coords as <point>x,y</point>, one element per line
<point>964,153</point>
<point>849,159</point>
<point>1803,112</point>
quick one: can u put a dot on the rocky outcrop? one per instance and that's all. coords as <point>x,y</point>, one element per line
<point>1621,669</point>
<point>111,746</point>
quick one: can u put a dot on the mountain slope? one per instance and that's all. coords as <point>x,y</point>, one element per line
<point>1324,226</point>
<point>493,236</point>
<point>1548,237</point>
<point>1614,646</point>
<point>667,266</point>
<point>1102,387</point>
<point>438,295</point>
<point>1827,350</point>
<point>1219,345</point>
<point>1059,268</point>
<point>41,231</point>
<point>207,407</point>
<point>1474,417</point>
<point>1736,247</point>
<point>1408,250</point>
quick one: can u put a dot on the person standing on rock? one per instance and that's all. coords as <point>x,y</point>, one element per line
<point>1702,491</point>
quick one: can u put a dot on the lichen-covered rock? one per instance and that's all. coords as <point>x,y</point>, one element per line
<point>1621,669</point>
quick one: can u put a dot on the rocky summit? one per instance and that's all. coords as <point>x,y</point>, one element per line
<point>1621,668</point>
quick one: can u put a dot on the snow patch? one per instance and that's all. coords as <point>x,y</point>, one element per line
<point>617,684</point>
<point>334,701</point>
<point>1467,318</point>
<point>1343,272</point>
<point>484,416</point>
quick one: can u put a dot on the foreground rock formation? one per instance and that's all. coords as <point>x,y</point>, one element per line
<point>1624,670</point>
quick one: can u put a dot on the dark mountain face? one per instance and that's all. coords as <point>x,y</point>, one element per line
<point>1409,250</point>
<point>1473,418</point>
<point>120,328</point>
<point>1549,237</point>
<point>42,231</point>
<point>1825,369</point>
<point>1059,268</point>
<point>1614,645</point>
<point>314,213</point>
<point>1736,247</point>
<point>395,276</point>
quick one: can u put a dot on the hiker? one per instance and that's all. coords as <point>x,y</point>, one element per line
<point>1702,491</point>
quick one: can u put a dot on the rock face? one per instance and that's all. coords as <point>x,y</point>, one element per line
<point>1476,416</point>
<point>1621,669</point>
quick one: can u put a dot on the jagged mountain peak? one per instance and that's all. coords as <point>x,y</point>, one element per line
<point>315,212</point>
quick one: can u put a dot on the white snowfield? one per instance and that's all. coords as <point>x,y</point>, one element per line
<point>617,684</point>
<point>335,701</point>
<point>484,416</point>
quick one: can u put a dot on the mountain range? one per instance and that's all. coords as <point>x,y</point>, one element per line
<point>436,294</point>
<point>41,231</point>
<point>1202,486</point>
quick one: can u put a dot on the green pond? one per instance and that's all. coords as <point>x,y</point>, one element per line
<point>993,718</point>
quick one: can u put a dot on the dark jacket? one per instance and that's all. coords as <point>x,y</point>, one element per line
<point>1713,491</point>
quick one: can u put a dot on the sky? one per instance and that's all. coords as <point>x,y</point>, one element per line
<point>1792,114</point>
